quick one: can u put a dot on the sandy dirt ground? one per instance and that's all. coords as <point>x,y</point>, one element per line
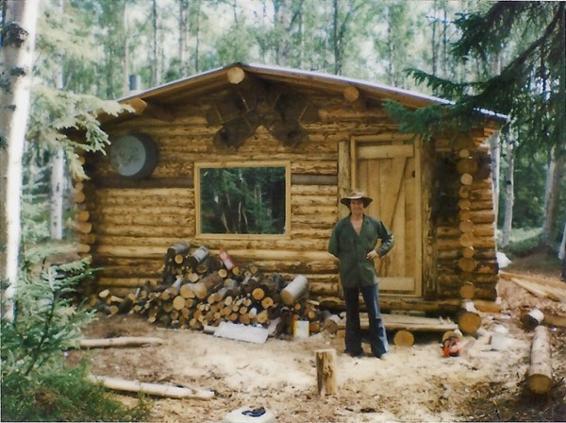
<point>411,384</point>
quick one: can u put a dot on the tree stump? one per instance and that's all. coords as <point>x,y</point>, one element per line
<point>326,372</point>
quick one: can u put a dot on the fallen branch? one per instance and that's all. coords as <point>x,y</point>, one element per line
<point>123,341</point>
<point>156,389</point>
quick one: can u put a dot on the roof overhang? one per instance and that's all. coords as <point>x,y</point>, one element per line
<point>217,79</point>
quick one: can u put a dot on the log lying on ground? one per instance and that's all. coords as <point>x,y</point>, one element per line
<point>156,389</point>
<point>123,341</point>
<point>539,377</point>
<point>326,372</point>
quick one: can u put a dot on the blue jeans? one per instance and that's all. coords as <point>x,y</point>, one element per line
<point>377,335</point>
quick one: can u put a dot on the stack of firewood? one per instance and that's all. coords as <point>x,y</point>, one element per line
<point>200,290</point>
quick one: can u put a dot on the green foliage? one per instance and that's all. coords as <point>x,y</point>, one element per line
<point>36,384</point>
<point>243,200</point>
<point>527,87</point>
<point>524,242</point>
<point>57,115</point>
<point>47,322</point>
<point>63,394</point>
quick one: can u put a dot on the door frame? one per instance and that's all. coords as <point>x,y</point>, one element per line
<point>416,145</point>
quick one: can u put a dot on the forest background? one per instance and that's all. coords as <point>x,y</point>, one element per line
<point>95,47</point>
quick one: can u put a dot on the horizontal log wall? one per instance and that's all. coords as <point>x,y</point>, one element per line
<point>130,225</point>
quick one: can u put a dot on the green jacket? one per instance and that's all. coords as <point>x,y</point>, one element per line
<point>351,249</point>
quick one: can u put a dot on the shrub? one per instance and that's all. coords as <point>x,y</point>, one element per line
<point>36,385</point>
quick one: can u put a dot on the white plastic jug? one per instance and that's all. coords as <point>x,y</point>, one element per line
<point>499,337</point>
<point>301,329</point>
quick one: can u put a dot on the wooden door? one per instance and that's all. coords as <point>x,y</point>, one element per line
<point>390,173</point>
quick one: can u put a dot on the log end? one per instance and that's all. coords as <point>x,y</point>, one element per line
<point>539,384</point>
<point>404,338</point>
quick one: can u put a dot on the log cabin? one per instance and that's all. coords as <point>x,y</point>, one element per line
<point>324,135</point>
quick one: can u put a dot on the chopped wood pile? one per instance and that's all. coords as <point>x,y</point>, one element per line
<point>200,290</point>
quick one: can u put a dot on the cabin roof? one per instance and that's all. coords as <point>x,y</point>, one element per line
<point>216,79</point>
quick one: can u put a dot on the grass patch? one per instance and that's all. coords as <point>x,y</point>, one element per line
<point>523,242</point>
<point>64,395</point>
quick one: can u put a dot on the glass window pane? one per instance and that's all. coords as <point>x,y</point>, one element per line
<point>242,200</point>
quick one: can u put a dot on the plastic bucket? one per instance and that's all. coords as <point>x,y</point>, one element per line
<point>499,338</point>
<point>301,329</point>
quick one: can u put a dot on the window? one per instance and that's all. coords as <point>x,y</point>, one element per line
<point>250,198</point>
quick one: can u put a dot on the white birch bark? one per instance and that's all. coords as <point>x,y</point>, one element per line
<point>495,152</point>
<point>16,64</point>
<point>551,194</point>
<point>509,194</point>
<point>57,167</point>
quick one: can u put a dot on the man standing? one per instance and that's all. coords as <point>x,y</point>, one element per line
<point>353,242</point>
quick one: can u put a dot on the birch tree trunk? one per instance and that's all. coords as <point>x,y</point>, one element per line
<point>57,166</point>
<point>154,48</point>
<point>551,195</point>
<point>126,61</point>
<point>183,28</point>
<point>509,193</point>
<point>495,152</point>
<point>17,45</point>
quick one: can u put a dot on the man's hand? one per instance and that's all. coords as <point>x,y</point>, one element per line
<point>372,255</point>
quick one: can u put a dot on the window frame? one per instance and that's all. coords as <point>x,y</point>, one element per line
<point>241,164</point>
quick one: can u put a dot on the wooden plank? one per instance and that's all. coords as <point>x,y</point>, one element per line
<point>542,291</point>
<point>384,151</point>
<point>411,323</point>
<point>239,332</point>
<point>313,179</point>
<point>396,283</point>
<point>167,182</point>
<point>344,167</point>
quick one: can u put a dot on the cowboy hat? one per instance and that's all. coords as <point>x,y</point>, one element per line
<point>356,195</point>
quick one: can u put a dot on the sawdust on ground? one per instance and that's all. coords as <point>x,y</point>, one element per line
<point>411,384</point>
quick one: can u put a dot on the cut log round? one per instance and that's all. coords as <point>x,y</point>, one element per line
<point>267,302</point>
<point>532,319</point>
<point>295,290</point>
<point>466,226</point>
<point>258,293</point>
<point>326,372</point>
<point>539,377</point>
<point>331,322</point>
<point>467,264</point>
<point>403,338</point>
<point>469,320</point>
<point>186,291</point>
<point>235,75</point>
<point>467,290</point>
<point>178,303</point>
<point>468,252</point>
<point>351,94</point>
<point>466,179</point>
